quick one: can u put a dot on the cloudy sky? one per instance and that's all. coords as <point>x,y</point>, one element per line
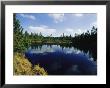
<point>57,24</point>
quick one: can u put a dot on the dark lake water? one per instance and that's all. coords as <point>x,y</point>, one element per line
<point>58,60</point>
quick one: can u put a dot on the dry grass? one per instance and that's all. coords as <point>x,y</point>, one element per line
<point>22,66</point>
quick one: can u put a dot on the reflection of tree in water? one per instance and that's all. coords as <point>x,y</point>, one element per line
<point>92,51</point>
<point>84,49</point>
<point>69,61</point>
<point>87,42</point>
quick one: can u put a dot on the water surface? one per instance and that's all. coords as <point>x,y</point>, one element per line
<point>59,60</point>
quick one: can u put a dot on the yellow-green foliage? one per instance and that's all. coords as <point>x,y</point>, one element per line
<point>22,66</point>
<point>38,70</point>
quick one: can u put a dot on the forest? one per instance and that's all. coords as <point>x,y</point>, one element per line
<point>22,40</point>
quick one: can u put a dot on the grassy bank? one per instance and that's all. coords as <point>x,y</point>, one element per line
<point>21,66</point>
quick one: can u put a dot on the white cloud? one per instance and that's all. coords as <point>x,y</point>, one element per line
<point>58,17</point>
<point>80,31</point>
<point>68,31</point>
<point>78,15</point>
<point>93,24</point>
<point>46,31</point>
<point>71,31</point>
<point>43,29</point>
<point>28,16</point>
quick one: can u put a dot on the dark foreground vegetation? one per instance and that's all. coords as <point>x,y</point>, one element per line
<point>22,40</point>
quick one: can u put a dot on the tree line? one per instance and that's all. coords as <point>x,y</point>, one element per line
<point>22,40</point>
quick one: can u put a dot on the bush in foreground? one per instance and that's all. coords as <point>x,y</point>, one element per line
<point>21,66</point>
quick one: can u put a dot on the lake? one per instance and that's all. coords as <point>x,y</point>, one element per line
<point>60,60</point>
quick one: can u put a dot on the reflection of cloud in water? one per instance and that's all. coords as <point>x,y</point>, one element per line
<point>44,49</point>
<point>57,48</point>
<point>72,51</point>
<point>74,62</point>
<point>74,69</point>
<point>91,59</point>
<point>77,51</point>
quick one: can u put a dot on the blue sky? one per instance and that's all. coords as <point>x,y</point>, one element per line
<point>57,24</point>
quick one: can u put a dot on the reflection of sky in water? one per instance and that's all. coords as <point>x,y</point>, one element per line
<point>53,48</point>
<point>58,60</point>
<point>43,49</point>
